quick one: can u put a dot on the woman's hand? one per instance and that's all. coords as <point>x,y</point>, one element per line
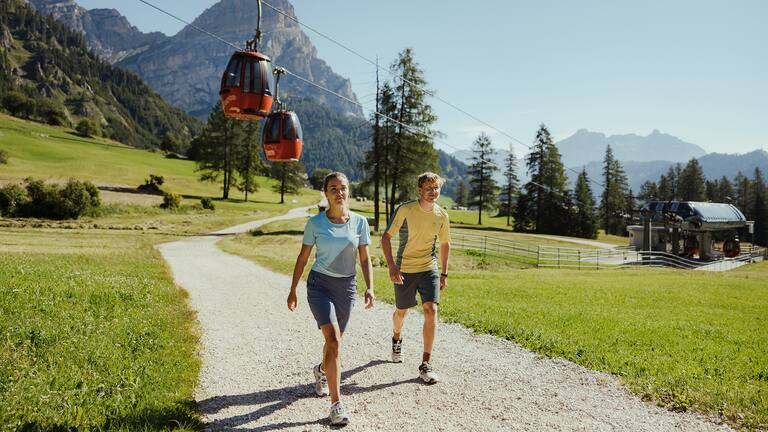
<point>369,298</point>
<point>292,300</point>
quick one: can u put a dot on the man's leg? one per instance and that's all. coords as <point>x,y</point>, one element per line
<point>429,330</point>
<point>398,318</point>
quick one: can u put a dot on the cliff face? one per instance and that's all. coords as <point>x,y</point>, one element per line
<point>106,31</point>
<point>186,68</point>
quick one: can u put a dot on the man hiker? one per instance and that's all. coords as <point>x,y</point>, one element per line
<point>420,225</point>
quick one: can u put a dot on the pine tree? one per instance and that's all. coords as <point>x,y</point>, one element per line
<point>461,194</point>
<point>725,190</point>
<point>216,149</point>
<point>743,192</point>
<point>483,188</point>
<point>691,182</point>
<point>547,198</point>
<point>665,192</point>
<point>760,208</point>
<point>511,184</point>
<point>413,151</point>
<point>613,200</point>
<point>289,176</point>
<point>248,163</point>
<point>648,191</point>
<point>586,220</point>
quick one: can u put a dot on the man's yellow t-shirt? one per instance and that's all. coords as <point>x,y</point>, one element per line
<point>419,231</point>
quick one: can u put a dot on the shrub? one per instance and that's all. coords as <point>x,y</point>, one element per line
<point>152,184</point>
<point>3,157</point>
<point>12,197</point>
<point>207,204</point>
<point>51,112</point>
<point>87,128</point>
<point>18,104</point>
<point>55,202</point>
<point>75,198</point>
<point>171,201</point>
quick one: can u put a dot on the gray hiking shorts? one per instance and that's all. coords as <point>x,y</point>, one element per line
<point>427,283</point>
<point>331,298</point>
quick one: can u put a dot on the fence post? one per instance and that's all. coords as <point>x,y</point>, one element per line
<point>579,258</point>
<point>597,261</point>
<point>558,257</point>
<point>538,256</point>
<point>485,240</point>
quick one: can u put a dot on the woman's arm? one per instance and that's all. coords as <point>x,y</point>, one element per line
<point>298,270</point>
<point>365,263</point>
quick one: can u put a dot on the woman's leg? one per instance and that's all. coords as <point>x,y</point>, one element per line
<point>331,358</point>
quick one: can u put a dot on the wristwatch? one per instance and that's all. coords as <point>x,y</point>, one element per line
<point>445,275</point>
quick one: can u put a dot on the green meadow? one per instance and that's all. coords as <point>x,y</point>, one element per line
<point>94,334</point>
<point>684,340</point>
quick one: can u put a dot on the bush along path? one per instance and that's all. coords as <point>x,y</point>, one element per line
<point>258,358</point>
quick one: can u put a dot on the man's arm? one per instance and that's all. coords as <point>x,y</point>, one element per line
<point>445,251</point>
<point>394,272</point>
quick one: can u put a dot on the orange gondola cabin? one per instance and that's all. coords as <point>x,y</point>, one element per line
<point>283,138</point>
<point>247,85</point>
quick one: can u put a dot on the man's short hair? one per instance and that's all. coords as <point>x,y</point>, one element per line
<point>431,178</point>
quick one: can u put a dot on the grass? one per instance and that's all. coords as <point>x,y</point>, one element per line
<point>94,335</point>
<point>56,153</point>
<point>685,340</point>
<point>613,239</point>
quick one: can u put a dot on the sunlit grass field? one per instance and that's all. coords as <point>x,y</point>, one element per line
<point>682,339</point>
<point>94,335</point>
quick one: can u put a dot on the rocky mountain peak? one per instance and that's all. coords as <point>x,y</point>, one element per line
<point>107,32</point>
<point>186,70</point>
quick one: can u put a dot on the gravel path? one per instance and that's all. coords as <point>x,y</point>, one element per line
<point>257,360</point>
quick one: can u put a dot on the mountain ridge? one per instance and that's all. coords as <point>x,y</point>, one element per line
<point>185,69</point>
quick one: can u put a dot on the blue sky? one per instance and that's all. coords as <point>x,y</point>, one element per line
<point>694,69</point>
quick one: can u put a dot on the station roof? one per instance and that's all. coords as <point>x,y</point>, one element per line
<point>695,216</point>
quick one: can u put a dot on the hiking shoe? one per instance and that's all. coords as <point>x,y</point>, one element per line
<point>338,414</point>
<point>427,374</point>
<point>397,354</point>
<point>321,382</point>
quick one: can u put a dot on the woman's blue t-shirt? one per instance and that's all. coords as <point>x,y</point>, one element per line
<point>336,243</point>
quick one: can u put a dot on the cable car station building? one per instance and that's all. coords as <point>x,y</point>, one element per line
<point>696,226</point>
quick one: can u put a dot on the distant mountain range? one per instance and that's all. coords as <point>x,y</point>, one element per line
<point>584,147</point>
<point>643,157</point>
<point>185,69</point>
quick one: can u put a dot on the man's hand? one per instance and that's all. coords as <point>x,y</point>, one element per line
<point>369,298</point>
<point>443,282</point>
<point>395,275</point>
<point>292,301</point>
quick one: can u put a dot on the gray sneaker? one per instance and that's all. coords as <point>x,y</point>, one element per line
<point>427,374</point>
<point>338,414</point>
<point>397,351</point>
<point>321,382</point>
